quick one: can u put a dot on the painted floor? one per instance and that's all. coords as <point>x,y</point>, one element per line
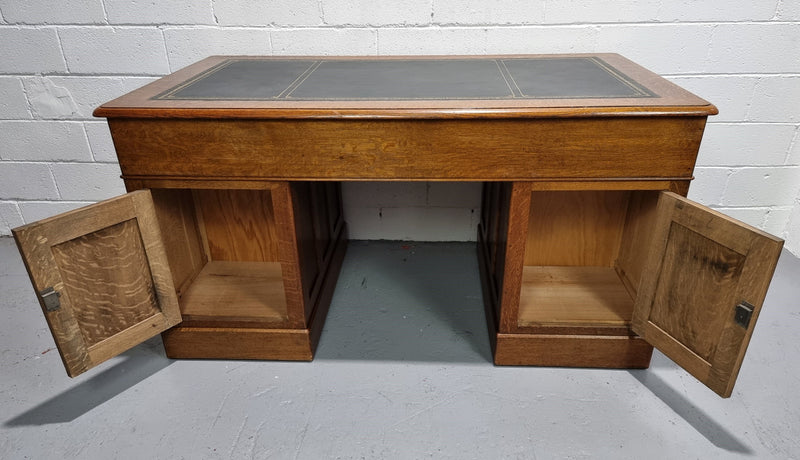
<point>403,370</point>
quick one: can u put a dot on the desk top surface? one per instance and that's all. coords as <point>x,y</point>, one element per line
<point>408,87</point>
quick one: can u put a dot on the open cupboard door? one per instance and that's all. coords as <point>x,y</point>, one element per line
<point>702,289</point>
<point>102,278</point>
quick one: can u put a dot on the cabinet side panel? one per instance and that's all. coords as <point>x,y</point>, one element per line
<point>179,230</point>
<point>239,225</point>
<point>636,238</point>
<point>306,240</point>
<point>581,228</point>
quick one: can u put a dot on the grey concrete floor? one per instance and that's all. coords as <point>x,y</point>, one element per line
<point>403,371</point>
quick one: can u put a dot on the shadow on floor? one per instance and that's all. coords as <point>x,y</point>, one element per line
<point>715,433</point>
<point>137,365</point>
<point>407,301</point>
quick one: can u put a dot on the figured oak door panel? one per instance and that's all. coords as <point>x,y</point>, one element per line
<point>702,289</point>
<point>102,278</point>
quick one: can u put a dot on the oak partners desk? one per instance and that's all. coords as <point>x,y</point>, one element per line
<point>232,236</point>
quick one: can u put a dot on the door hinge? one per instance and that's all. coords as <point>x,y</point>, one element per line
<point>50,298</point>
<point>744,311</point>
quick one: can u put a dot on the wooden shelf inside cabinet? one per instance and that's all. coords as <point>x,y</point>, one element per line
<point>236,291</point>
<point>587,296</point>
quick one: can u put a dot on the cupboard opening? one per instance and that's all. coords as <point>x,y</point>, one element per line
<point>222,248</point>
<point>584,256</point>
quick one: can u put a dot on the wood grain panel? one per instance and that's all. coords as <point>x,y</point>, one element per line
<point>519,206</point>
<point>107,277</point>
<point>363,149</point>
<point>238,343</point>
<point>674,309</point>
<point>703,264</point>
<point>572,351</point>
<point>573,295</point>
<point>239,224</point>
<point>636,238</point>
<point>109,265</point>
<point>581,228</point>
<point>180,233</point>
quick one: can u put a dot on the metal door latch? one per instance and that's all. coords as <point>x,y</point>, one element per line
<point>50,299</point>
<point>744,311</point>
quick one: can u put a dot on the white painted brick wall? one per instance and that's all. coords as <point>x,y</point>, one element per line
<point>61,59</point>
<point>188,45</point>
<point>13,104</point>
<point>161,12</point>
<point>43,141</point>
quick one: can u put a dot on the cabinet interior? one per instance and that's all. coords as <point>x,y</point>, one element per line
<point>222,248</point>
<point>584,256</point>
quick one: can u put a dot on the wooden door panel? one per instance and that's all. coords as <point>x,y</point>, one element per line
<point>107,267</point>
<point>702,266</point>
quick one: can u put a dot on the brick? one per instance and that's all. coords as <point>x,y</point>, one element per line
<point>664,49</point>
<point>10,217</point>
<point>794,153</point>
<point>455,194</point>
<point>788,10</point>
<point>777,220</point>
<point>88,181</point>
<point>708,185</point>
<point>544,40</point>
<point>13,104</point>
<point>274,12</point>
<point>469,12</point>
<point>362,223</point>
<point>76,97</point>
<point>792,230</point>
<point>325,42</point>
<point>26,181</point>
<point>609,11</point>
<point>754,48</point>
<point>115,50</point>
<point>384,194</point>
<point>100,142</point>
<point>185,46</point>
<point>167,12</point>
<point>767,186</point>
<point>43,141</point>
<point>34,51</point>
<point>411,224</point>
<point>692,10</point>
<point>775,98</point>
<point>38,210</point>
<point>745,144</point>
<point>376,12</point>
<point>431,41</point>
<point>53,11</point>
<point>731,94</point>
<point>603,11</point>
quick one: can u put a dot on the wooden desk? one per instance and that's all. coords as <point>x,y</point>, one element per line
<point>233,234</point>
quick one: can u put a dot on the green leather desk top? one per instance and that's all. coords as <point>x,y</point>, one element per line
<point>408,79</point>
<point>408,87</point>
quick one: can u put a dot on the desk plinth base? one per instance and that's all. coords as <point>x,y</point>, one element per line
<point>620,352</point>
